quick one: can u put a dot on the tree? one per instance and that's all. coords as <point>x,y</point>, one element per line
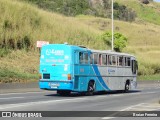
<point>120,41</point>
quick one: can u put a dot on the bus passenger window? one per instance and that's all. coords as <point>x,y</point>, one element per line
<point>134,66</point>
<point>120,60</point>
<point>91,58</point>
<point>104,62</point>
<point>85,58</point>
<point>127,61</point>
<point>109,60</point>
<point>80,57</point>
<point>114,61</point>
<point>100,59</point>
<point>106,59</point>
<point>95,58</point>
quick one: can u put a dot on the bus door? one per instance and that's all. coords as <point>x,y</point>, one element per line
<point>81,69</point>
<point>134,74</point>
<point>134,67</point>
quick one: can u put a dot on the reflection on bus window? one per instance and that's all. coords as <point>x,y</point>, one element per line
<point>100,59</point>
<point>114,61</point>
<point>85,58</point>
<point>91,58</point>
<point>80,57</point>
<point>104,60</point>
<point>120,59</point>
<point>127,61</point>
<point>109,60</point>
<point>95,58</point>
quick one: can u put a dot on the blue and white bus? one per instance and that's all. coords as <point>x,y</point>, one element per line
<point>67,68</point>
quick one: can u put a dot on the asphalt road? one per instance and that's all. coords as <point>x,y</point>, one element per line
<point>145,98</point>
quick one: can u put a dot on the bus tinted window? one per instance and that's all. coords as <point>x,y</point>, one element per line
<point>109,60</point>
<point>104,60</point>
<point>114,61</point>
<point>95,58</point>
<point>80,57</point>
<point>91,58</point>
<point>100,59</point>
<point>85,58</point>
<point>127,61</point>
<point>120,61</point>
<point>134,66</point>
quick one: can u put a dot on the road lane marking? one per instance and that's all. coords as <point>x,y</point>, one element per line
<point>37,103</point>
<point>26,93</point>
<point>151,92</point>
<point>6,106</point>
<point>12,98</point>
<point>132,106</point>
<point>138,107</point>
<point>106,118</point>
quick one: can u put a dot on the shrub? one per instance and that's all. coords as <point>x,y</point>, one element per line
<point>120,41</point>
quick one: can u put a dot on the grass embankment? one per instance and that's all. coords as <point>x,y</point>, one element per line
<point>23,24</point>
<point>19,66</point>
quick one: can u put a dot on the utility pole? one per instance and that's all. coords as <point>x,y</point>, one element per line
<point>112,27</point>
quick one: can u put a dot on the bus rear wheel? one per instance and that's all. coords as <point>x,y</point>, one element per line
<point>63,92</point>
<point>91,88</point>
<point>126,87</point>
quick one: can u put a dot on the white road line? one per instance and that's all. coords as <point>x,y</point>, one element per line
<point>106,118</point>
<point>24,93</point>
<point>11,98</point>
<point>151,92</point>
<point>37,103</point>
<point>141,107</point>
<point>132,107</point>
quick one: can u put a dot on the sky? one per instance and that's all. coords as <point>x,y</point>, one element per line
<point>157,0</point>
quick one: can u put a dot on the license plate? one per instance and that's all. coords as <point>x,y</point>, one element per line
<point>53,85</point>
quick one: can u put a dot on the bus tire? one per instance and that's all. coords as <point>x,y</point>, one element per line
<point>91,88</point>
<point>63,92</point>
<point>127,86</point>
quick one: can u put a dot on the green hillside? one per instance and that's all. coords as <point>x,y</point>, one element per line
<point>23,24</point>
<point>149,12</point>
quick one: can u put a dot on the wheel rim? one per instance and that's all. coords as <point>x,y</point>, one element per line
<point>127,87</point>
<point>91,88</point>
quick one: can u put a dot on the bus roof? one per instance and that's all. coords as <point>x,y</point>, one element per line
<point>96,51</point>
<point>111,52</point>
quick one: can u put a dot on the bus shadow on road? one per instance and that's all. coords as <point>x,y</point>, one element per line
<point>75,94</point>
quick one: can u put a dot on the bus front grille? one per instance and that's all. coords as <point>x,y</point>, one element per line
<point>46,76</point>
